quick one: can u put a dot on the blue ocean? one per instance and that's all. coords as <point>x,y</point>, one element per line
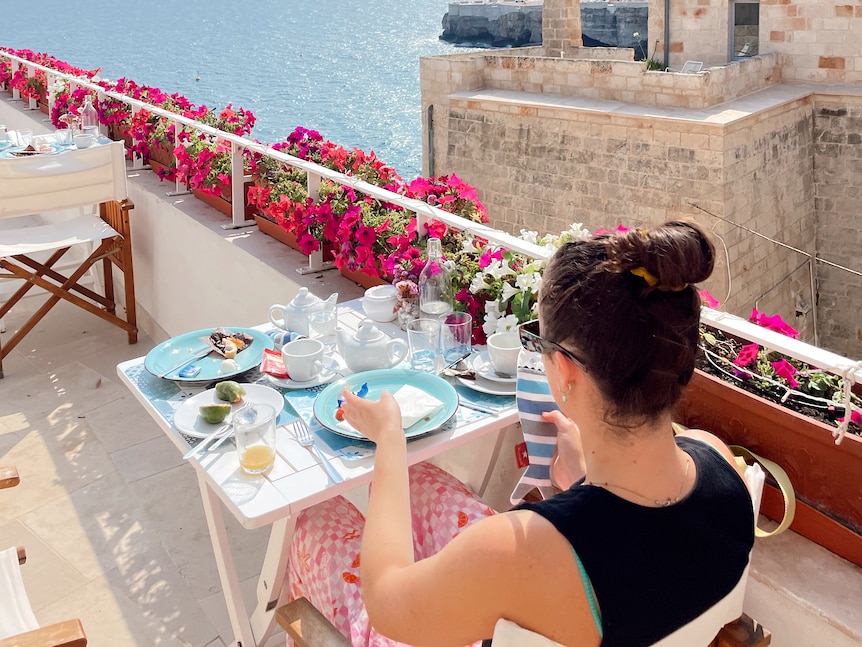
<point>347,68</point>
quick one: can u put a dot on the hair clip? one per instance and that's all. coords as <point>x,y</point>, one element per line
<point>645,275</point>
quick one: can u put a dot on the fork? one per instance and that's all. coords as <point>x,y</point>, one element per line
<point>303,436</point>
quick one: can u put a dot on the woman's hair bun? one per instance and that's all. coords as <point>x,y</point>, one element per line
<point>669,257</point>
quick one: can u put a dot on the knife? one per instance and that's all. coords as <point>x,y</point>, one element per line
<point>188,360</point>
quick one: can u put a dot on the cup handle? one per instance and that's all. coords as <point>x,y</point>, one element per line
<point>279,322</point>
<point>397,350</point>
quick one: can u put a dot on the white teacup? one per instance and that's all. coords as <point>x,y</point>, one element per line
<point>84,140</point>
<point>503,349</point>
<point>379,302</point>
<point>303,359</point>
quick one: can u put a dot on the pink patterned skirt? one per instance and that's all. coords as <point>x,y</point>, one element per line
<point>324,555</point>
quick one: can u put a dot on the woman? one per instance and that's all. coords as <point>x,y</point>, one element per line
<point>654,529</point>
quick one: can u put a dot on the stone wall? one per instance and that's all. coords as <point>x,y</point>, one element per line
<point>838,178</point>
<point>545,170</point>
<point>819,40</point>
<point>605,79</point>
<point>769,188</point>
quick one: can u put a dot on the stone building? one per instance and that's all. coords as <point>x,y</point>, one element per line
<point>763,146</point>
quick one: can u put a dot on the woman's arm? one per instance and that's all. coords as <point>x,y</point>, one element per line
<point>513,565</point>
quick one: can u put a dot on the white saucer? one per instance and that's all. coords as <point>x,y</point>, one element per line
<point>487,386</point>
<point>480,364</point>
<point>187,420</point>
<point>333,367</point>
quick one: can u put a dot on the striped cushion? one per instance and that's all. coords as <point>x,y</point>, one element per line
<point>534,397</point>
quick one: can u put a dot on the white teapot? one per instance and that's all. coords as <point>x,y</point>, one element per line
<point>369,348</point>
<point>294,316</point>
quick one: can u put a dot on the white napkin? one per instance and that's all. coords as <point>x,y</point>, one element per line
<point>415,405</point>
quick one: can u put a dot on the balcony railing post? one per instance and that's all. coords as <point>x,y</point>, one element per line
<point>180,185</point>
<point>31,72</point>
<point>237,189</point>
<point>316,263</point>
<point>138,161</point>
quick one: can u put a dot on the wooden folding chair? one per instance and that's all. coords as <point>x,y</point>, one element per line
<point>83,180</point>
<point>18,625</point>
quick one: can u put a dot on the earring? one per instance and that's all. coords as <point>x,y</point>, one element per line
<point>564,396</point>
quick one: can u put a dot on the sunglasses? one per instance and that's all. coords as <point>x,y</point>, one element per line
<point>531,340</point>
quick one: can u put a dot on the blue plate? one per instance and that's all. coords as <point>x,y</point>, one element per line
<point>171,352</point>
<point>390,379</point>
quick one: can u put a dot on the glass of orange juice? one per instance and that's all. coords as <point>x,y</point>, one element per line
<point>254,429</point>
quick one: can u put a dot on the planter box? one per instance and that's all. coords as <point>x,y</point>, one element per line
<point>115,132</point>
<point>363,279</point>
<point>223,204</point>
<point>43,105</point>
<point>161,157</point>
<point>824,476</point>
<point>272,229</point>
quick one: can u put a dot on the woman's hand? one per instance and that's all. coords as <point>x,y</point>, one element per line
<point>379,421</point>
<point>569,466</point>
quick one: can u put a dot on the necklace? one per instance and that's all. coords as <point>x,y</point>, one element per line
<point>662,503</point>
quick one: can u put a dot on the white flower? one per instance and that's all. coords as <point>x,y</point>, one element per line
<point>507,323</point>
<point>509,291</point>
<point>529,281</point>
<point>530,236</point>
<point>492,314</point>
<point>479,283</point>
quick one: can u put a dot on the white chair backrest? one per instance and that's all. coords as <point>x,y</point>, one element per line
<point>692,67</point>
<point>78,178</point>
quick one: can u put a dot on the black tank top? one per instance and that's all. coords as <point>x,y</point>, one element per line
<point>654,570</point>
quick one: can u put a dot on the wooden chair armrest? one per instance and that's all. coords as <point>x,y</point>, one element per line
<point>307,626</point>
<point>8,477</point>
<point>68,633</point>
<point>742,632</point>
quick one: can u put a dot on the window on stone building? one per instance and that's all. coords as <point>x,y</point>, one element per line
<point>744,28</point>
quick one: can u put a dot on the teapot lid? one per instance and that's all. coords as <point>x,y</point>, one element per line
<point>304,298</point>
<point>368,331</point>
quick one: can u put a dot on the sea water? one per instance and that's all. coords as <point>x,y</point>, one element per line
<point>346,68</point>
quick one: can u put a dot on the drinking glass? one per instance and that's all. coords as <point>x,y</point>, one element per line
<point>254,430</point>
<point>322,321</point>
<point>455,335</point>
<point>423,336</point>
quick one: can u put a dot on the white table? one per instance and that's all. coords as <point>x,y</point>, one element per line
<point>295,482</point>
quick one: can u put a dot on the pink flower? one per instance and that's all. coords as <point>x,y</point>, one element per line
<point>786,370</point>
<point>774,322</point>
<point>747,355</point>
<point>855,418</point>
<point>708,300</point>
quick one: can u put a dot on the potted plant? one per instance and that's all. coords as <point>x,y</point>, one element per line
<point>782,405</point>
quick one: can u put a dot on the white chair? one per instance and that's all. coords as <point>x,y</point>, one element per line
<point>18,624</point>
<point>92,181</point>
<point>745,51</point>
<point>689,67</point>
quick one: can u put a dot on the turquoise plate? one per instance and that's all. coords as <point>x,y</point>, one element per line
<point>390,379</point>
<point>171,352</point>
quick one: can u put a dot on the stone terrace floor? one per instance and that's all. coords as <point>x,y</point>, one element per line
<point>110,515</point>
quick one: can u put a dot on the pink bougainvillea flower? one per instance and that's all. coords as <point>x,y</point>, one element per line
<point>708,300</point>
<point>774,322</point>
<point>747,355</point>
<point>855,418</point>
<point>786,370</point>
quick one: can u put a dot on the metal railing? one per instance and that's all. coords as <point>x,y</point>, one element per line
<point>315,173</point>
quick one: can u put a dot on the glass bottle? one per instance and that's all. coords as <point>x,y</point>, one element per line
<point>89,118</point>
<point>435,283</point>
